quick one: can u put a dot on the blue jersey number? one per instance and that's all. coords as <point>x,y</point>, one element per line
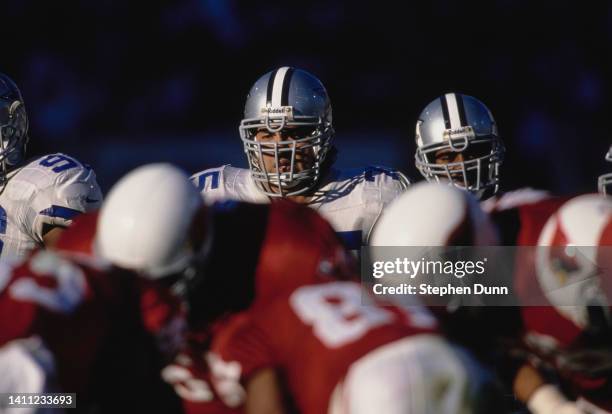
<point>3,222</point>
<point>214,180</point>
<point>58,162</point>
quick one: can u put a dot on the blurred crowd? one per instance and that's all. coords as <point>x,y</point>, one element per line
<point>102,78</point>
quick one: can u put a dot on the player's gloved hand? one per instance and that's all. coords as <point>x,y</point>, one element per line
<point>548,400</point>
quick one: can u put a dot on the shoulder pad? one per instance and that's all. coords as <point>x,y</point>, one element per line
<point>62,168</point>
<point>380,174</point>
<point>72,190</point>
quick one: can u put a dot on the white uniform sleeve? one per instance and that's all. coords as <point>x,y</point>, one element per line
<point>210,183</point>
<point>382,186</point>
<point>72,191</point>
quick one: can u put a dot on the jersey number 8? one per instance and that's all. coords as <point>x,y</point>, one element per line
<point>337,312</point>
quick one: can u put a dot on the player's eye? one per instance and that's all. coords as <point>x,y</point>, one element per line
<point>303,131</point>
<point>264,135</point>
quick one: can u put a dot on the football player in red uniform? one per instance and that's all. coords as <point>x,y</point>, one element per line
<point>558,334</point>
<point>283,316</point>
<point>163,234</point>
<point>105,333</point>
<point>570,276</point>
<point>87,316</point>
<point>525,222</point>
<point>437,215</point>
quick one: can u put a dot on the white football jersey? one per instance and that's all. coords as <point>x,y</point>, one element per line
<point>48,191</point>
<point>351,200</point>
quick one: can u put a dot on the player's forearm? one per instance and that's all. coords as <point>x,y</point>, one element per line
<point>526,382</point>
<point>540,397</point>
<point>263,394</point>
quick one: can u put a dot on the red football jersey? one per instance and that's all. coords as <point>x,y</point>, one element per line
<point>299,247</point>
<point>101,324</point>
<point>259,251</point>
<point>68,304</point>
<point>299,319</point>
<point>311,335</point>
<point>281,246</point>
<point>162,314</point>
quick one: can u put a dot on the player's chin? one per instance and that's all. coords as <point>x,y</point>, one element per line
<point>286,187</point>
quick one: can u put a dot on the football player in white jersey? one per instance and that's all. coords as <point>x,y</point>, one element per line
<point>38,197</point>
<point>287,132</point>
<point>458,142</point>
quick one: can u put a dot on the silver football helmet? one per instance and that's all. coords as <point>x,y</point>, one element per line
<point>293,103</point>
<point>13,126</point>
<point>604,183</point>
<point>456,123</point>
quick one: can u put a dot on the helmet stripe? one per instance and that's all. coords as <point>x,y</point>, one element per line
<point>286,85</point>
<point>270,86</point>
<point>277,87</point>
<point>453,110</point>
<point>445,111</point>
<point>461,109</point>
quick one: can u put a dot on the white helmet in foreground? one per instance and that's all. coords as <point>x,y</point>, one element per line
<point>146,222</point>
<point>426,224</point>
<point>574,266</point>
<point>432,214</point>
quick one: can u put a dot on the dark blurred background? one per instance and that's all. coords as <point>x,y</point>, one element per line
<point>117,84</point>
